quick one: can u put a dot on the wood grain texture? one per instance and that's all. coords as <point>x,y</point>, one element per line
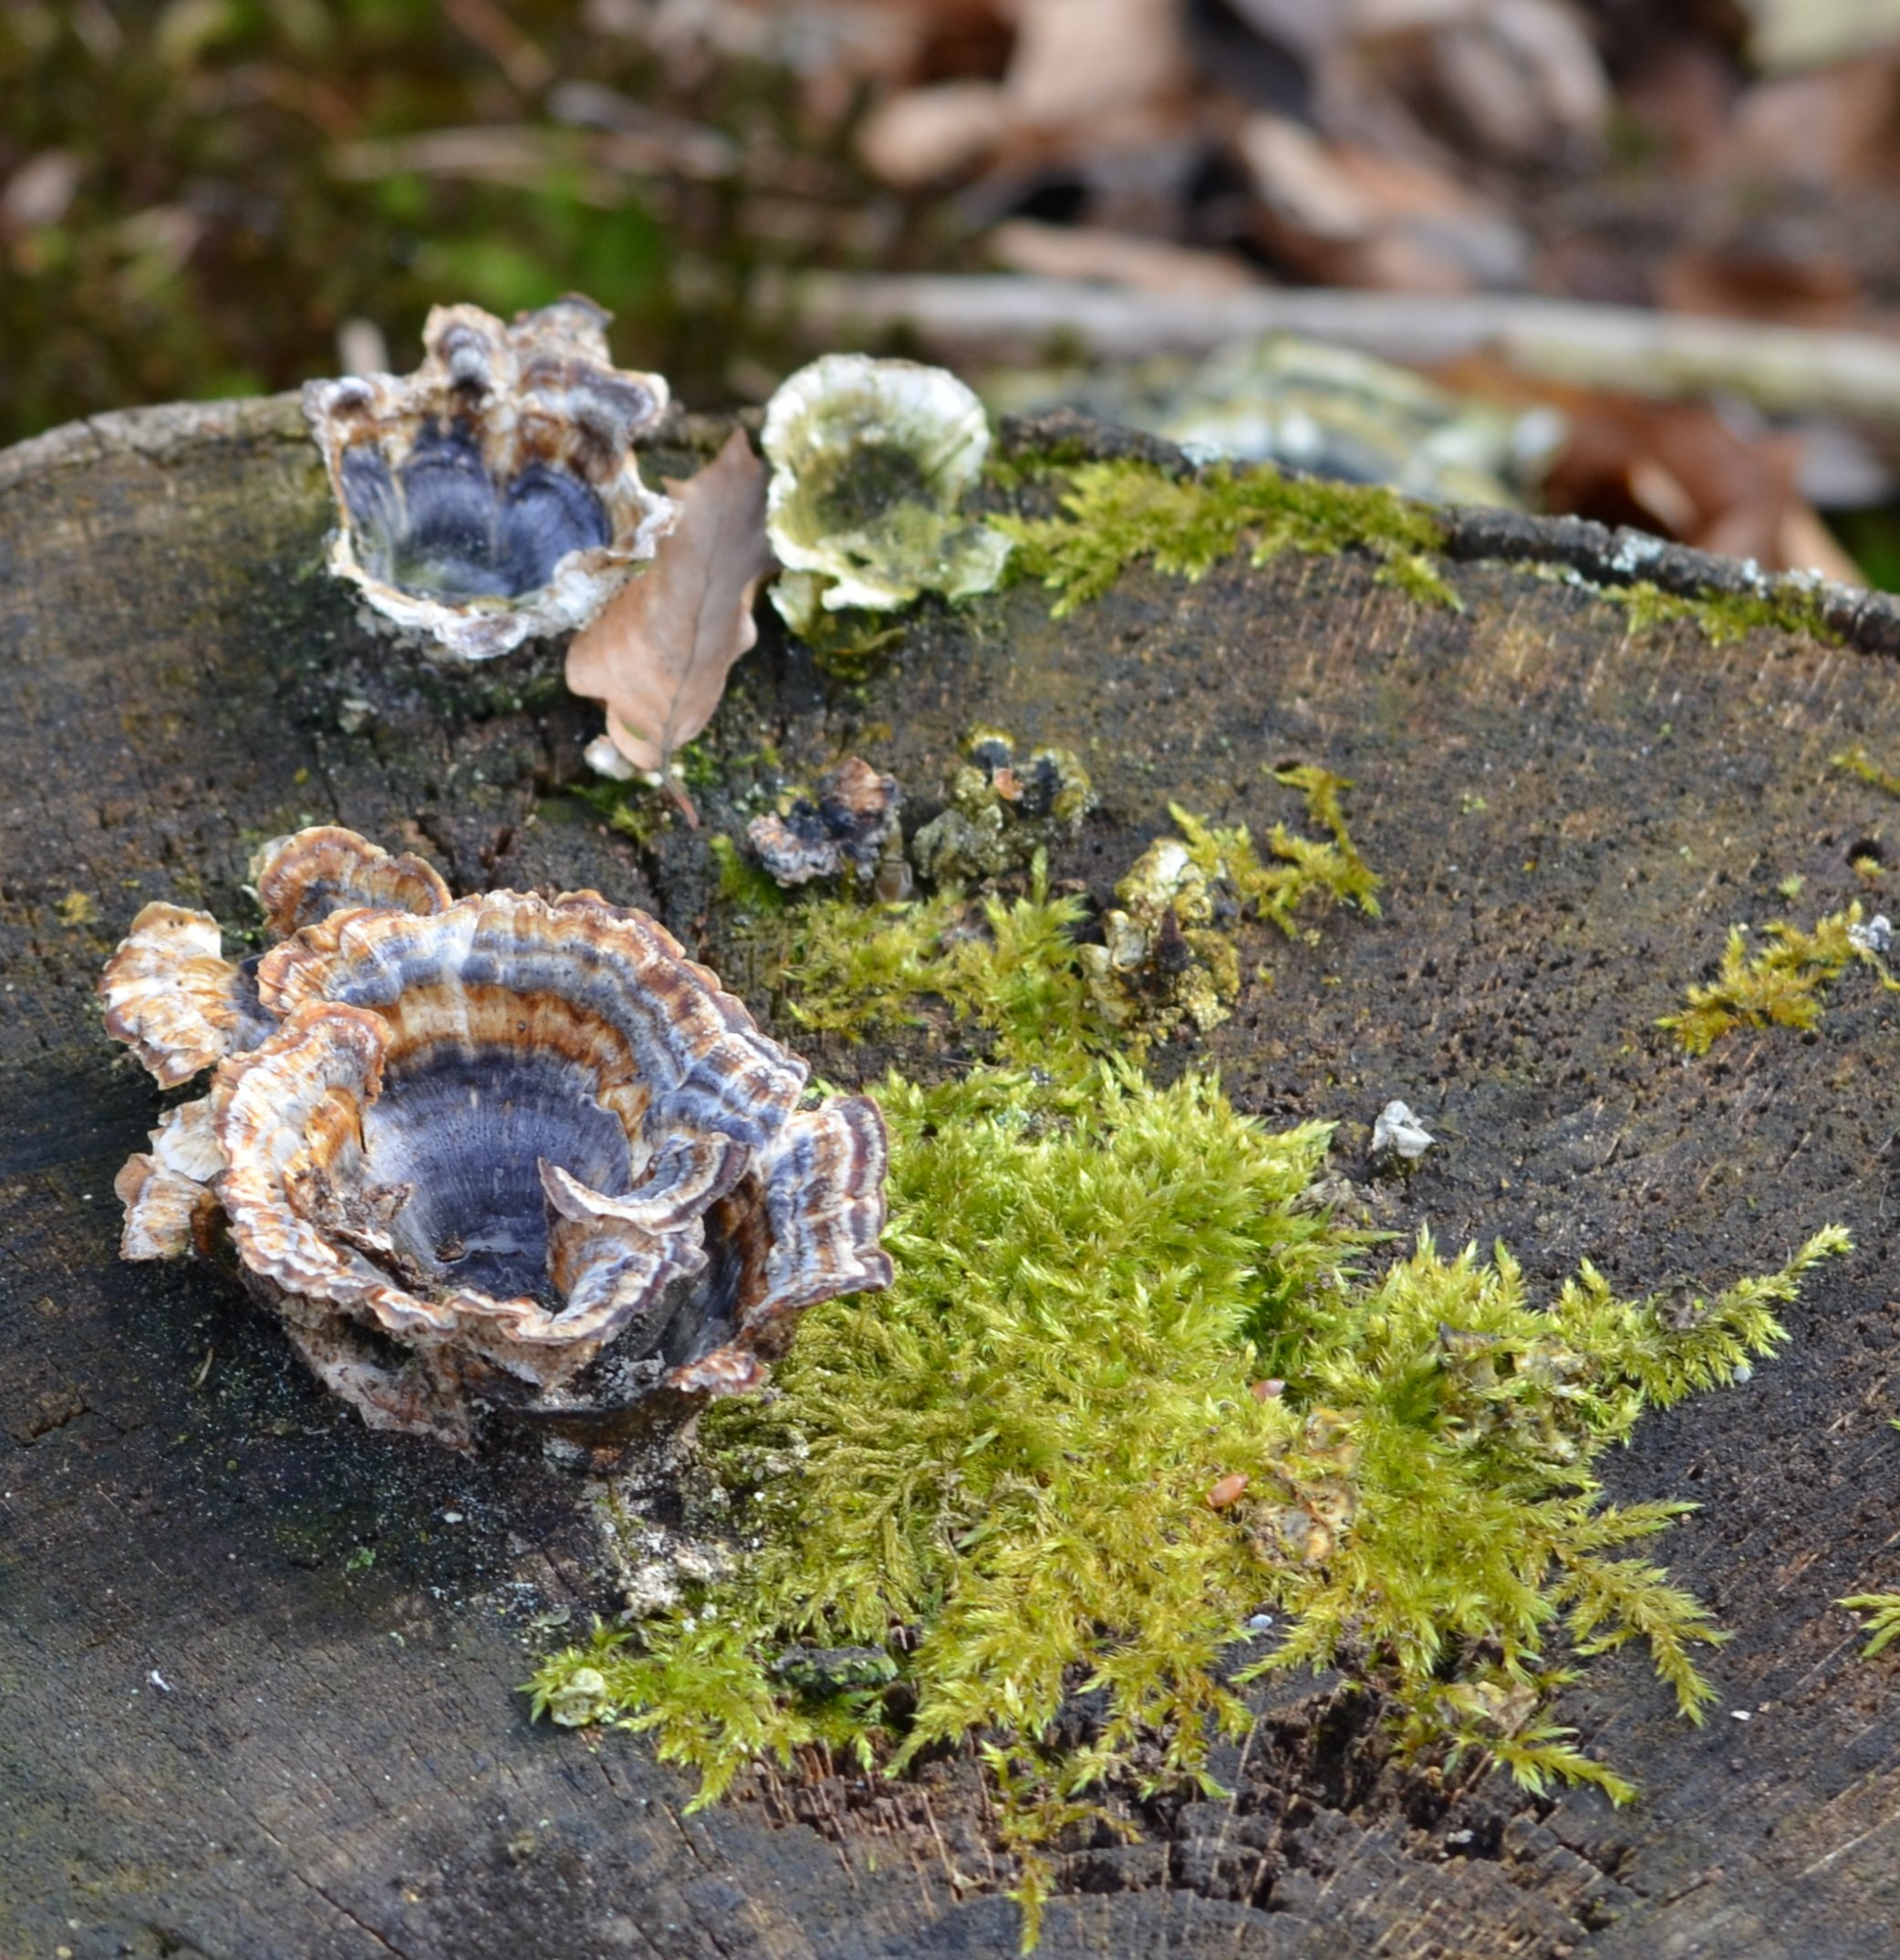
<point>1569,814</point>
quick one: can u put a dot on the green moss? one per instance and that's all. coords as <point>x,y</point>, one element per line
<point>1132,1388</point>
<point>1129,1389</point>
<point>1724,618</point>
<point>1163,964</point>
<point>1014,969</point>
<point>1331,873</point>
<point>1007,966</point>
<point>1858,763</point>
<point>1783,985</point>
<point>1115,512</point>
<point>1882,1611</point>
<point>1042,1459</point>
<point>743,884</point>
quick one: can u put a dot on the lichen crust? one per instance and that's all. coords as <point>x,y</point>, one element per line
<point>493,496</point>
<point>500,1156</point>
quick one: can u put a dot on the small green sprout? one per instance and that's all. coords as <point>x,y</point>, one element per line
<point>1782,985</point>
<point>1858,763</point>
<point>1882,1611</point>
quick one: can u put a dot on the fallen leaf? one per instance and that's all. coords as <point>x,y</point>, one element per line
<point>1679,469</point>
<point>926,135</point>
<point>1516,82</point>
<point>1116,258</point>
<point>1082,75</point>
<point>659,652</point>
<point>1077,61</point>
<point>1342,213</point>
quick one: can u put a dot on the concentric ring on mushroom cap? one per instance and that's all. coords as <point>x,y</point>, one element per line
<point>303,878</point>
<point>171,994</point>
<point>619,976</point>
<point>313,1211</point>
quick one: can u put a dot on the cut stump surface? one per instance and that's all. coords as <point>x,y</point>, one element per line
<point>258,1665</point>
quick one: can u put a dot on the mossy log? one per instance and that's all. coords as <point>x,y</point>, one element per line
<point>256,1665</point>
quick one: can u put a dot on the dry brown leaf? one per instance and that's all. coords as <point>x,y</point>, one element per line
<point>1106,257</point>
<point>925,135</point>
<point>1076,61</point>
<point>659,652</point>
<point>1679,469</point>
<point>1342,214</point>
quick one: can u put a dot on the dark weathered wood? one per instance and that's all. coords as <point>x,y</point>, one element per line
<point>1570,815</point>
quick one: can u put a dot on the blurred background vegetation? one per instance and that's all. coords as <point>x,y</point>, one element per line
<point>201,198</point>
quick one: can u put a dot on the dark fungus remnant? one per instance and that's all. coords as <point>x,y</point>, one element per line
<point>492,496</point>
<point>852,826</point>
<point>1002,811</point>
<point>819,1672</point>
<point>502,1156</point>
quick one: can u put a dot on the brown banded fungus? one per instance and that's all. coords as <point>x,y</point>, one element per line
<point>503,1156</point>
<point>492,496</point>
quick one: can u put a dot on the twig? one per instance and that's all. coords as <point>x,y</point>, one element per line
<point>1786,369</point>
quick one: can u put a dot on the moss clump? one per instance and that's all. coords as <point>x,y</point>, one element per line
<point>1016,969</point>
<point>1883,1619</point>
<point>1163,964</point>
<point>1115,512</point>
<point>743,883</point>
<point>1131,1389</point>
<point>1725,617</point>
<point>1858,763</point>
<point>1331,873</point>
<point>1783,985</point>
<point>1007,966</point>
<point>1051,1454</point>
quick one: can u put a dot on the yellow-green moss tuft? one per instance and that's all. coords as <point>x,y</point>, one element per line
<point>1007,966</point>
<point>1858,763</point>
<point>1783,985</point>
<point>1014,969</point>
<point>1115,512</point>
<point>1881,1611</point>
<point>1042,1457</point>
<point>1725,617</point>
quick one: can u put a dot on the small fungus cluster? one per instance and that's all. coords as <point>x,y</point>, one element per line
<point>1002,810</point>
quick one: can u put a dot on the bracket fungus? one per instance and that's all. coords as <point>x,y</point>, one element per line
<point>492,496</point>
<point>870,460</point>
<point>503,1156</point>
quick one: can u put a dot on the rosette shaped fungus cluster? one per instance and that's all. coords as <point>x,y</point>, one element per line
<point>504,1155</point>
<point>492,496</point>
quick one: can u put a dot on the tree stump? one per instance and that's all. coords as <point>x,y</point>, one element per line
<point>258,1663</point>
